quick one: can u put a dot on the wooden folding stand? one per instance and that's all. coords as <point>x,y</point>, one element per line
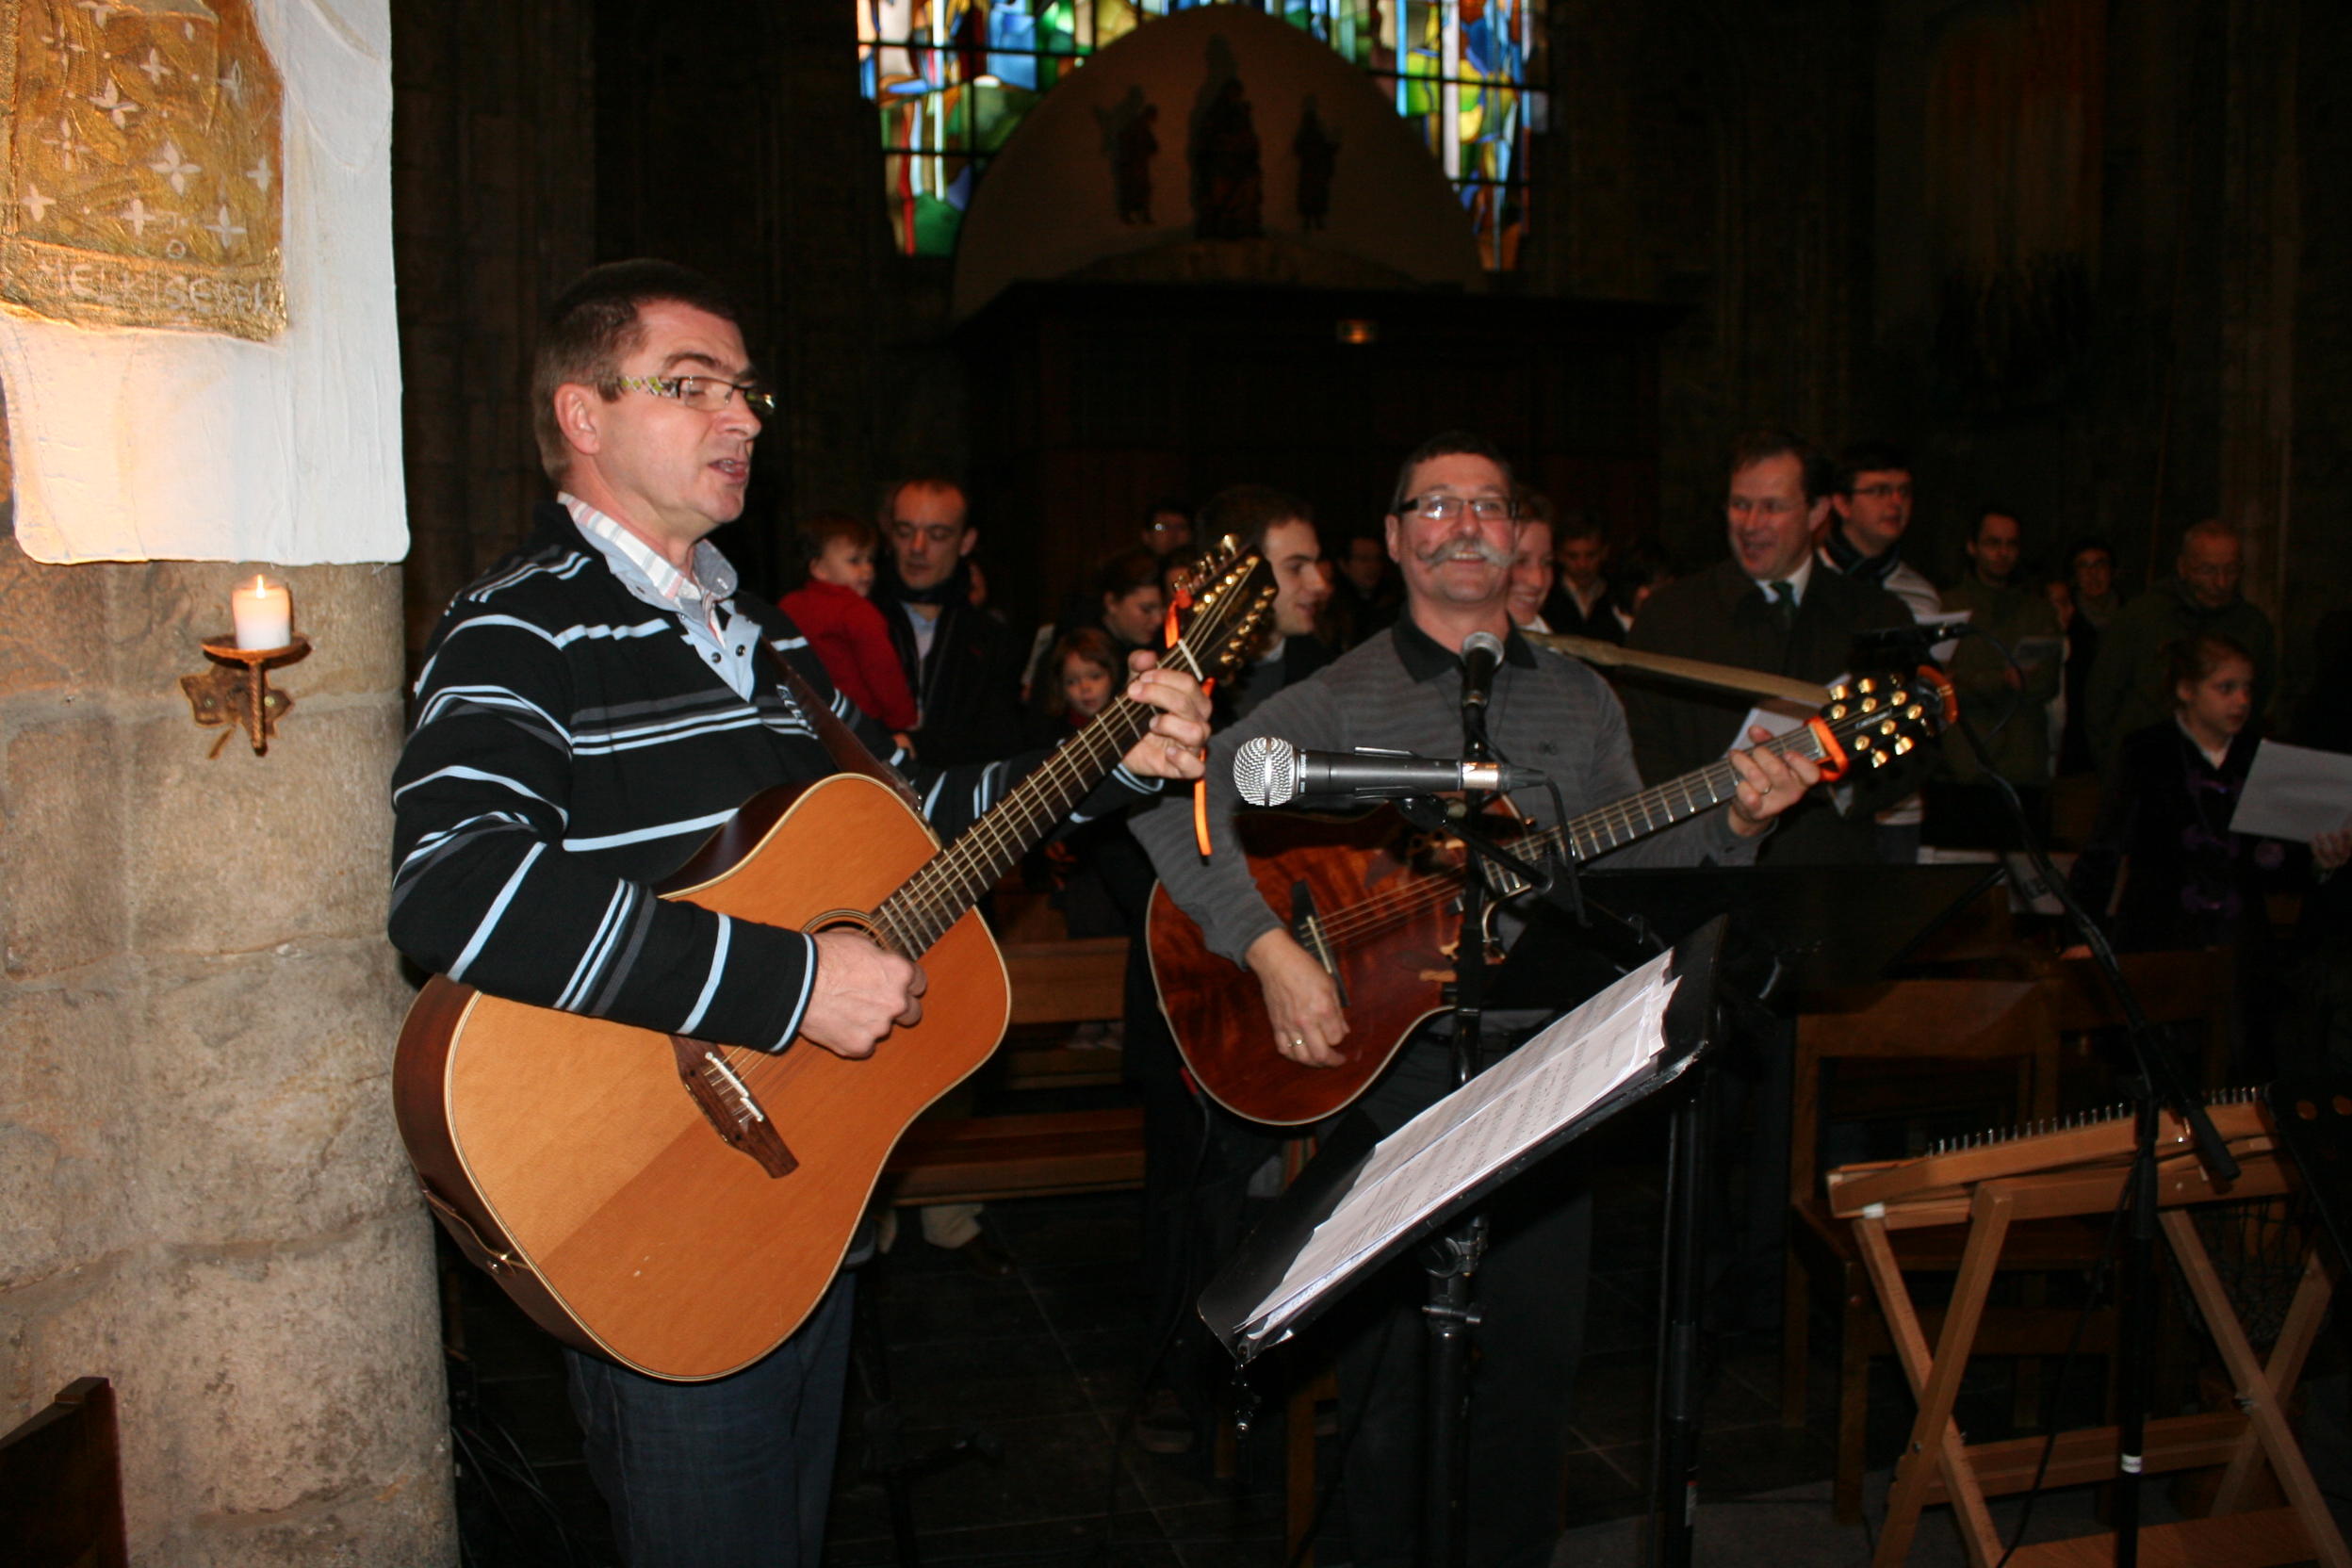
<point>2082,1171</point>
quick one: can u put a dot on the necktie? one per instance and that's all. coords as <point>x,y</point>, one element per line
<point>1783,604</point>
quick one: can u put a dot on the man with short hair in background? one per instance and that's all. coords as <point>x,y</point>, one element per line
<point>1870,501</point>
<point>1168,527</point>
<point>961,663</point>
<point>2129,689</point>
<point>2005,680</point>
<point>1366,598</point>
<point>1577,605</point>
<point>1773,607</point>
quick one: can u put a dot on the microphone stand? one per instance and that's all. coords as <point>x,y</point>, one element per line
<point>2160,1088</point>
<point>1451,1259</point>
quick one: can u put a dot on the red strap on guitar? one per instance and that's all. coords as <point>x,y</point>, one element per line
<point>1200,785</point>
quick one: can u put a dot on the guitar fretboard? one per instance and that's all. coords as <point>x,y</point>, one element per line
<point>939,895</point>
<point>953,880</point>
<point>1620,823</point>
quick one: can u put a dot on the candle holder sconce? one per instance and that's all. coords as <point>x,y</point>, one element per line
<point>236,693</point>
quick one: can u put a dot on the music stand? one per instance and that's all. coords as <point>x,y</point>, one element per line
<point>1255,1302</point>
<point>1802,928</point>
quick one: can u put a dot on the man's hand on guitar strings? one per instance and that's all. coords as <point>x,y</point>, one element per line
<point>859,994</point>
<point>1770,783</point>
<point>1301,999</point>
<point>1176,744</point>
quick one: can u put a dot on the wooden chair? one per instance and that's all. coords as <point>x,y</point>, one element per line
<point>2194,986</point>
<point>61,1483</point>
<point>1985,1038</point>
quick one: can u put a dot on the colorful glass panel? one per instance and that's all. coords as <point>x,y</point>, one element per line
<point>953,78</point>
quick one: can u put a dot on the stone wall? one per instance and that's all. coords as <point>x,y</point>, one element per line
<point>202,1194</point>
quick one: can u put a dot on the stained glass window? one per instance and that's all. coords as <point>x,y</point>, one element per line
<point>953,78</point>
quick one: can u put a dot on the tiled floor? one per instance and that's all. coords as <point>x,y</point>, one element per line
<point>1047,1363</point>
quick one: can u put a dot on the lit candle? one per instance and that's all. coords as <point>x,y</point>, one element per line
<point>265,614</point>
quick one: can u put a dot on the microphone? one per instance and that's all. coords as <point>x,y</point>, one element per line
<point>1482,653</point>
<point>1910,644</point>
<point>1269,771</point>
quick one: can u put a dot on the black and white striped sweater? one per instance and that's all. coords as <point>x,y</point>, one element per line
<point>569,748</point>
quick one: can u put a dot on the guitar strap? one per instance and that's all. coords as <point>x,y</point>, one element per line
<point>840,742</point>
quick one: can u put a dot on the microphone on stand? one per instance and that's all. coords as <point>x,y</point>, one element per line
<point>1269,771</point>
<point>1482,655</point>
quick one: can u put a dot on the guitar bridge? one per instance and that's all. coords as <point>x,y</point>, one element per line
<point>731,1107</point>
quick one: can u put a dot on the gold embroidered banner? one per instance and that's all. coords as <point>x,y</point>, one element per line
<point>145,165</point>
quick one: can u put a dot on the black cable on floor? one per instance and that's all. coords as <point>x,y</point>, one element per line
<point>2066,1365</point>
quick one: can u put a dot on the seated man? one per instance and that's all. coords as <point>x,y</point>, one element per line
<point>589,711</point>
<point>1452,531</point>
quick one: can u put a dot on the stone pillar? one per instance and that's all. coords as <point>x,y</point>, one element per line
<point>201,1195</point>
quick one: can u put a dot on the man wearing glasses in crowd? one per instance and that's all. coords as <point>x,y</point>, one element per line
<point>589,711</point>
<point>1453,532</point>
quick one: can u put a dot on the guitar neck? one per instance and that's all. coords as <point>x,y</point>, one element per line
<point>954,879</point>
<point>1638,816</point>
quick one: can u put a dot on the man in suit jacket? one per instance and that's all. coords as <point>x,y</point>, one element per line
<point>1770,607</point>
<point>1578,606</point>
<point>960,661</point>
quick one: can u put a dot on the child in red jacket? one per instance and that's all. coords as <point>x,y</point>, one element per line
<point>841,625</point>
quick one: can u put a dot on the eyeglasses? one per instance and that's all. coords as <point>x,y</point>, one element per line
<point>1884,491</point>
<point>705,394</point>
<point>1444,509</point>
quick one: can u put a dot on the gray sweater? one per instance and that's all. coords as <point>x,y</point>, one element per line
<point>1400,690</point>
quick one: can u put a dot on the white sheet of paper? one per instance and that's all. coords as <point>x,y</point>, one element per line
<point>2294,793</point>
<point>1542,1086</point>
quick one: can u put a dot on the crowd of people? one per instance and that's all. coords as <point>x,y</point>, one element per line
<point>591,707</point>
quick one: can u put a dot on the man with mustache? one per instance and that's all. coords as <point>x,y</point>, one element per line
<point>1452,530</point>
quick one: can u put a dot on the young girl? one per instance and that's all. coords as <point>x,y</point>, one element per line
<point>847,632</point>
<point>1085,665</point>
<point>2164,827</point>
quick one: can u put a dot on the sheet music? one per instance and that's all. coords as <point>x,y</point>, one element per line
<point>2294,793</point>
<point>1563,1073</point>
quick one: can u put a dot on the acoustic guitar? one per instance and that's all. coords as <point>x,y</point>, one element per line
<point>679,1206</point>
<point>1378,903</point>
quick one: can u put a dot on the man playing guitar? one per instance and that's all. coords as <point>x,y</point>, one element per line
<point>1452,531</point>
<point>589,711</point>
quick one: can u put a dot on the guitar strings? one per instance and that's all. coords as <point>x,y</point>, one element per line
<point>944,889</point>
<point>1414,896</point>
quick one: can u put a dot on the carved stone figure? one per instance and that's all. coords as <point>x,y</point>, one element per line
<point>1130,141</point>
<point>1317,151</point>
<point>1228,183</point>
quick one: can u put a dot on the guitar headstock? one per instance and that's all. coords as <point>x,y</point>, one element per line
<point>1218,607</point>
<point>1877,718</point>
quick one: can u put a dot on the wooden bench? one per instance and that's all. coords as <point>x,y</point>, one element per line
<point>975,1159</point>
<point>980,1159</point>
<point>61,1483</point>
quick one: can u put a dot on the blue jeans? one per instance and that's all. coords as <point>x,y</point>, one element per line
<point>732,1474</point>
